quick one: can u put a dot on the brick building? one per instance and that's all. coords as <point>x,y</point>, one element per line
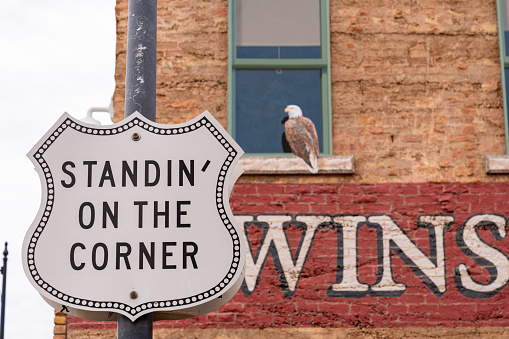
<point>402,233</point>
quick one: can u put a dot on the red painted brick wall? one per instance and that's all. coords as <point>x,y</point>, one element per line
<point>311,306</point>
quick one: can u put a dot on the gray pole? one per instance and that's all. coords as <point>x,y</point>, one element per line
<point>4,273</point>
<point>140,86</point>
<point>140,95</point>
<point>141,328</point>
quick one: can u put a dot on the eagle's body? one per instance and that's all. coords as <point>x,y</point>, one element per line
<point>302,138</point>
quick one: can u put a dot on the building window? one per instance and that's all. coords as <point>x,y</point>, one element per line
<point>278,56</point>
<point>503,33</point>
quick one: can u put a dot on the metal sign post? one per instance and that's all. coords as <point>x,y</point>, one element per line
<point>140,95</point>
<point>140,87</point>
<point>4,273</point>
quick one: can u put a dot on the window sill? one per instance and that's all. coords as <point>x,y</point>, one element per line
<point>496,164</point>
<point>294,165</point>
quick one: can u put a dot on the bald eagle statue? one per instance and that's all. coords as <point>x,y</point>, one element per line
<point>301,135</point>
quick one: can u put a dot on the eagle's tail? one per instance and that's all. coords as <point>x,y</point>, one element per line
<point>313,163</point>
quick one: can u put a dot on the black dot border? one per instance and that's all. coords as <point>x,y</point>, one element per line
<point>67,299</point>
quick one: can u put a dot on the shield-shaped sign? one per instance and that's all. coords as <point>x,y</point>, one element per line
<point>135,218</point>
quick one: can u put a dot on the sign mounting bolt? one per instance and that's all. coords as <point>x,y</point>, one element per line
<point>136,137</point>
<point>133,295</point>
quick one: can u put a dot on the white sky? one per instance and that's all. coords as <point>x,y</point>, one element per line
<point>55,56</point>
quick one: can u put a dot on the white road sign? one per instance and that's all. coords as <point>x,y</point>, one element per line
<point>135,218</point>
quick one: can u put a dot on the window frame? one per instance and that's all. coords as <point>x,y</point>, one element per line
<point>504,64</point>
<point>323,64</point>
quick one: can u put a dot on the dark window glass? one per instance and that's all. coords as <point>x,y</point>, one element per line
<point>279,52</point>
<point>506,40</point>
<point>506,71</point>
<point>505,16</point>
<point>260,99</point>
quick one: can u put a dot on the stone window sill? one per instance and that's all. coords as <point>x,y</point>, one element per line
<point>294,165</point>
<point>496,164</point>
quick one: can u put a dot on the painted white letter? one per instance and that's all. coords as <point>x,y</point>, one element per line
<point>274,241</point>
<point>431,272</point>
<point>472,245</point>
<point>347,282</point>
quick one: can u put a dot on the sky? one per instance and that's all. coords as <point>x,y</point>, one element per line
<point>56,56</point>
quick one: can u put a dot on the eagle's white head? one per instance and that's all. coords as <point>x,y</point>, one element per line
<point>293,111</point>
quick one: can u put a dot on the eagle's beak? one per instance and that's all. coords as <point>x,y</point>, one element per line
<point>287,110</point>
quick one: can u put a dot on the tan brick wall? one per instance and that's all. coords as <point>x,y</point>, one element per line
<point>416,89</point>
<point>60,328</point>
<point>416,86</point>
<point>192,57</point>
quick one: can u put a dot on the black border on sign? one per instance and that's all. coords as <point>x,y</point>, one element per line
<point>220,193</point>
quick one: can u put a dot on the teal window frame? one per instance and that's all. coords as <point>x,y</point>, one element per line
<point>504,65</point>
<point>322,64</point>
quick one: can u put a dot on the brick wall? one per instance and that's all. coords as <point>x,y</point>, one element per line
<point>416,89</point>
<point>415,86</point>
<point>280,292</point>
<point>192,57</point>
<point>60,329</point>
<point>417,99</point>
